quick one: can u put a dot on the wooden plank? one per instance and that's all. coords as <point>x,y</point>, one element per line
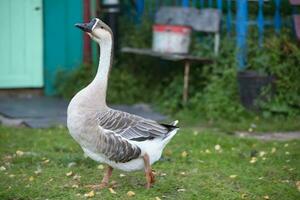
<point>172,57</point>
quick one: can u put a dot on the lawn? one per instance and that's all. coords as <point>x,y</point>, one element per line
<point>48,164</point>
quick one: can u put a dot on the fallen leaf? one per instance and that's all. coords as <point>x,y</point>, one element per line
<point>260,178</point>
<point>286,145</point>
<point>2,168</point>
<point>183,173</point>
<point>263,158</point>
<point>250,130</point>
<point>266,197</point>
<point>38,171</point>
<point>184,154</point>
<point>233,176</point>
<point>244,196</point>
<point>75,186</point>
<point>217,147</point>
<point>90,194</point>
<point>70,173</point>
<point>46,161</point>
<point>262,153</point>
<point>157,198</point>
<point>163,174</point>
<point>31,178</point>
<point>76,177</point>
<point>12,176</point>
<point>181,190</point>
<point>287,153</point>
<point>298,185</point>
<point>71,164</point>
<point>19,153</point>
<point>100,167</point>
<point>112,191</point>
<point>195,133</point>
<point>130,193</point>
<point>207,151</point>
<point>253,160</point>
<point>273,150</point>
<point>122,175</point>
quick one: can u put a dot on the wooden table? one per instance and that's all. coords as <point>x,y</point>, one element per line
<point>186,58</point>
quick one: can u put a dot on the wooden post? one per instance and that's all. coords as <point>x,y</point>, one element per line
<point>186,81</point>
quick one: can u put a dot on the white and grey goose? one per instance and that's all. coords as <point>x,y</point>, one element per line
<point>121,140</point>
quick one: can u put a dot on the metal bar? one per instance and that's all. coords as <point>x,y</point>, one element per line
<point>185,3</point>
<point>277,18</point>
<point>228,17</point>
<point>241,31</point>
<point>260,22</point>
<point>219,5</point>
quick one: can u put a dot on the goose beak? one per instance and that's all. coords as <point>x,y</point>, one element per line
<point>86,27</point>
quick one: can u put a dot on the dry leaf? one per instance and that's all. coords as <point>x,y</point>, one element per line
<point>130,193</point>
<point>112,191</point>
<point>244,196</point>
<point>253,160</point>
<point>181,190</point>
<point>46,161</point>
<point>76,177</point>
<point>250,130</point>
<point>122,175</point>
<point>19,153</point>
<point>286,145</point>
<point>207,151</point>
<point>287,153</point>
<point>90,194</point>
<point>75,186</point>
<point>233,176</point>
<point>12,176</point>
<point>31,178</point>
<point>2,168</point>
<point>266,197</point>
<point>100,167</point>
<point>273,150</point>
<point>298,185</point>
<point>183,173</point>
<point>195,133</point>
<point>217,147</point>
<point>71,164</point>
<point>70,173</point>
<point>260,178</point>
<point>38,171</point>
<point>262,153</point>
<point>184,154</point>
<point>157,198</point>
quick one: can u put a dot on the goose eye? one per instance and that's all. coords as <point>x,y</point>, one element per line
<point>102,27</point>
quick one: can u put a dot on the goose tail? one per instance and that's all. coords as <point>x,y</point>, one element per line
<point>172,133</point>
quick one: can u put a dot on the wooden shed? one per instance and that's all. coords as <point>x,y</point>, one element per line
<point>37,39</point>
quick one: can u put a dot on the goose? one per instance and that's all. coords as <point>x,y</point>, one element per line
<point>118,139</point>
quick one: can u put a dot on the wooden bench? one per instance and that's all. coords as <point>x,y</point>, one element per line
<point>204,20</point>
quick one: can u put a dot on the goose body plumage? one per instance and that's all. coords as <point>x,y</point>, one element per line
<point>121,140</point>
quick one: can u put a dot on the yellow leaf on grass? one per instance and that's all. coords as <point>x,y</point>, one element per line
<point>217,147</point>
<point>266,197</point>
<point>130,193</point>
<point>253,160</point>
<point>19,153</point>
<point>244,196</point>
<point>157,198</point>
<point>286,145</point>
<point>262,153</point>
<point>31,178</point>
<point>207,151</point>
<point>122,175</point>
<point>2,168</point>
<point>112,191</point>
<point>273,150</point>
<point>46,161</point>
<point>233,176</point>
<point>70,173</point>
<point>90,194</point>
<point>298,185</point>
<point>184,154</point>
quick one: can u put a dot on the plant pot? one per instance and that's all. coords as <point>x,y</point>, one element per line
<point>250,87</point>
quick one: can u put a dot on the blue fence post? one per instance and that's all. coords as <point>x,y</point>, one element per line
<point>139,9</point>
<point>219,5</point>
<point>277,18</point>
<point>228,17</point>
<point>241,31</point>
<point>260,22</point>
<point>185,3</point>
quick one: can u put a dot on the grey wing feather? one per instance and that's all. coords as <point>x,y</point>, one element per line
<point>130,126</point>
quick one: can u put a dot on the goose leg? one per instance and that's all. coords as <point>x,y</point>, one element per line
<point>107,175</point>
<point>105,180</point>
<point>148,171</point>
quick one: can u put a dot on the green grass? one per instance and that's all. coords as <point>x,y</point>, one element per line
<point>202,175</point>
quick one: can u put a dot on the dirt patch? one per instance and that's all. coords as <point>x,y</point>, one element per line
<point>280,136</point>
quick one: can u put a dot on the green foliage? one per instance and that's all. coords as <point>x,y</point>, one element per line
<point>280,57</point>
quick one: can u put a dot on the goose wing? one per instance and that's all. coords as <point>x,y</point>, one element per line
<point>132,127</point>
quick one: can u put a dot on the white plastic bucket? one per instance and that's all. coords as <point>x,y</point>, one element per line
<point>171,38</point>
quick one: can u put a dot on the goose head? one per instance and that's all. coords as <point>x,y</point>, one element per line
<point>96,29</point>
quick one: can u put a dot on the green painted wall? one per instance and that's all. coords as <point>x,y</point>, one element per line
<point>63,42</point>
<point>21,44</point>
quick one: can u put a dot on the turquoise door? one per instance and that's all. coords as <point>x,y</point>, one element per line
<point>21,44</point>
